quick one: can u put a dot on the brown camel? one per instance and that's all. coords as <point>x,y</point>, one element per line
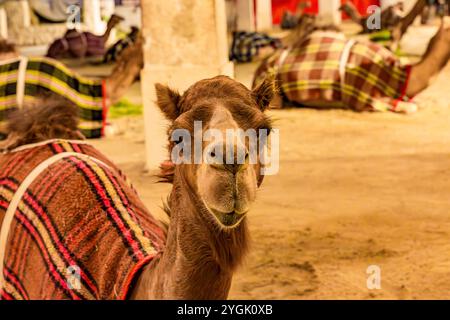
<point>75,44</point>
<point>126,71</point>
<point>207,237</point>
<point>360,75</point>
<point>93,97</point>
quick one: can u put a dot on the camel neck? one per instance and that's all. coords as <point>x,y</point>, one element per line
<point>408,20</point>
<point>108,31</point>
<point>121,78</point>
<point>199,258</point>
<point>435,60</point>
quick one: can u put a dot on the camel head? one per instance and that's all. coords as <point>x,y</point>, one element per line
<point>225,121</point>
<point>115,20</point>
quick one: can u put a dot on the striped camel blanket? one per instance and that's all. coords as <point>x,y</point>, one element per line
<point>326,70</point>
<point>23,79</point>
<point>72,227</point>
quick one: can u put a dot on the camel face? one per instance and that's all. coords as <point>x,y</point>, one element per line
<point>226,181</point>
<point>220,159</point>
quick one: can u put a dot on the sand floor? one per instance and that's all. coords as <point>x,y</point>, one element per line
<point>354,189</point>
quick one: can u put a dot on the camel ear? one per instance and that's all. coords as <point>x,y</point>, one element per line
<point>265,92</point>
<point>168,101</point>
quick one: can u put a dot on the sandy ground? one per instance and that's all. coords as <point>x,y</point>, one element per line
<point>354,190</point>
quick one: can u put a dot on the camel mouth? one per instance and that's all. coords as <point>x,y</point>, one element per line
<point>228,220</point>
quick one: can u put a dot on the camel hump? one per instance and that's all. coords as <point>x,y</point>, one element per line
<point>50,117</point>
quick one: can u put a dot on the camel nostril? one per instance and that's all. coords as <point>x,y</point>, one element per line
<point>212,154</point>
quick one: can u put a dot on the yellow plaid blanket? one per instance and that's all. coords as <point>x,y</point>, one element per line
<point>24,79</point>
<point>328,70</point>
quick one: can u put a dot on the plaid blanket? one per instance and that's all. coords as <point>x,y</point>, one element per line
<point>23,79</point>
<point>327,70</point>
<point>60,247</point>
<point>246,45</point>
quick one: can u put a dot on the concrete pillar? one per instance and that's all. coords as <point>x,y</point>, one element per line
<point>245,15</point>
<point>18,14</point>
<point>187,42</point>
<point>263,15</point>
<point>92,16</point>
<point>3,24</point>
<point>329,11</point>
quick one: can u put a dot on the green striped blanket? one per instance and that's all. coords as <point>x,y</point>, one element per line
<point>22,80</point>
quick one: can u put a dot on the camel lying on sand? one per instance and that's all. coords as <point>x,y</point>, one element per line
<point>75,44</point>
<point>22,79</point>
<point>323,69</point>
<point>72,227</point>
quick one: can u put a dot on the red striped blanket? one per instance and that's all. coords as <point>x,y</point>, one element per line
<point>79,231</point>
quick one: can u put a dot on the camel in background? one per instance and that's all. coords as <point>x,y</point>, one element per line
<point>75,44</point>
<point>42,75</point>
<point>94,222</point>
<point>356,75</point>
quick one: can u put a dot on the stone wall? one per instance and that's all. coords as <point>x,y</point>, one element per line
<point>182,33</point>
<point>20,30</point>
<point>36,35</point>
